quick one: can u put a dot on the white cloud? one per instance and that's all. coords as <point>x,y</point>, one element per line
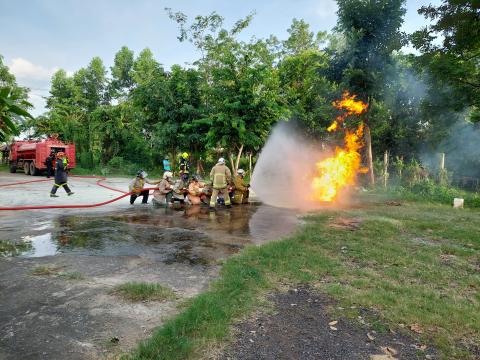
<point>25,70</point>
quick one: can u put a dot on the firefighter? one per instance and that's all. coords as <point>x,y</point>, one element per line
<point>220,176</point>
<point>163,195</point>
<point>49,162</point>
<point>136,187</point>
<point>61,167</point>
<point>184,165</point>
<point>241,192</point>
<point>196,193</point>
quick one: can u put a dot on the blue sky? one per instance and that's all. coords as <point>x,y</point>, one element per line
<point>41,36</point>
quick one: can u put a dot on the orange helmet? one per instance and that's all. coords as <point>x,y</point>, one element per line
<point>60,154</point>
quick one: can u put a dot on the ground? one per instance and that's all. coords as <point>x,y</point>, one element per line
<point>56,291</point>
<point>302,327</point>
<point>389,275</point>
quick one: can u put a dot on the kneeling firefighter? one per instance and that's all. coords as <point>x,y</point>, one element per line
<point>163,195</point>
<point>240,195</point>
<point>136,187</point>
<point>61,166</point>
<point>220,177</point>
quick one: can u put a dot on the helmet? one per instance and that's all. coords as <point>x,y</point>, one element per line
<point>241,172</point>
<point>60,154</point>
<point>167,175</point>
<point>185,155</point>
<point>166,157</point>
<point>195,178</point>
<point>221,161</point>
<point>142,174</point>
<point>185,177</point>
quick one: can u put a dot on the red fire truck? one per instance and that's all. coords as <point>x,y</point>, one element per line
<point>30,155</point>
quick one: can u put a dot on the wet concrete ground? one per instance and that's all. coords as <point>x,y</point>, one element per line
<point>58,317</point>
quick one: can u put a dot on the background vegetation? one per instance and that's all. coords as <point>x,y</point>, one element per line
<point>131,115</point>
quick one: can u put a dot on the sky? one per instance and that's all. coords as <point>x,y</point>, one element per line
<point>39,37</point>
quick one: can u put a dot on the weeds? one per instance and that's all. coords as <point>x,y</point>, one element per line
<point>378,266</point>
<point>46,270</point>
<point>138,291</point>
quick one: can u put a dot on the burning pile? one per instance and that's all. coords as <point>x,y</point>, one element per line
<point>334,173</point>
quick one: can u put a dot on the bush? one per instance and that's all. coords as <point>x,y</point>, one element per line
<point>428,190</point>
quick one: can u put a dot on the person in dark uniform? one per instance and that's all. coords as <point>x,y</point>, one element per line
<point>61,166</point>
<point>50,162</point>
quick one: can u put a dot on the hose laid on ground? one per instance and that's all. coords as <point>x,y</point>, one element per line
<point>38,207</point>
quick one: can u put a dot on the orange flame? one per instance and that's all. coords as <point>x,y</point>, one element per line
<point>336,172</point>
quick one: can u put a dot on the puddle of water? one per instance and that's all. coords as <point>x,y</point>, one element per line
<point>194,236</point>
<point>42,245</point>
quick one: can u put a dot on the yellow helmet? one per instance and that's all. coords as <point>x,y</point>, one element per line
<point>185,155</point>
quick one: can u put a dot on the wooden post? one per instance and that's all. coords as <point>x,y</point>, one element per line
<point>368,143</point>
<point>442,161</point>
<point>385,168</point>
<point>250,164</point>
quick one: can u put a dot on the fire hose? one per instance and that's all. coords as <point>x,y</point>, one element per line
<point>80,206</point>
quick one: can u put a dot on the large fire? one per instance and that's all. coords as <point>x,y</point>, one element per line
<point>336,172</point>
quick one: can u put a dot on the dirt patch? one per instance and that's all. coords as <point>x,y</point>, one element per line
<point>346,224</point>
<point>303,329</point>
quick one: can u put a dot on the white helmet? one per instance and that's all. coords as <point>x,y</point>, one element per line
<point>241,172</point>
<point>167,175</point>
<point>221,161</point>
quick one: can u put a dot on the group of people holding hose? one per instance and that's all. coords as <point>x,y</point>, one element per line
<point>222,188</point>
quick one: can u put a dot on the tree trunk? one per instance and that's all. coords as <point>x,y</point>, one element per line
<point>385,169</point>
<point>250,164</point>
<point>232,164</point>
<point>239,155</point>
<point>368,143</point>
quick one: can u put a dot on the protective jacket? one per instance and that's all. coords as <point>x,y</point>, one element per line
<point>137,184</point>
<point>60,172</point>
<point>240,184</point>
<point>195,190</point>
<point>164,188</point>
<point>220,176</point>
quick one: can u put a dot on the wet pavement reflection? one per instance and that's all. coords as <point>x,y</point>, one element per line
<point>193,236</point>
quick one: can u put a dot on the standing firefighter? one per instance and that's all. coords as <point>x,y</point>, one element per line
<point>184,166</point>
<point>49,162</point>
<point>61,166</point>
<point>136,187</point>
<point>220,176</point>
<point>241,189</point>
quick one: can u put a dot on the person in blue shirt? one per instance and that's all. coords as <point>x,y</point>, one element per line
<point>166,164</point>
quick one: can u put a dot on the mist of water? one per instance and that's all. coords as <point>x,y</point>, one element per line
<point>282,175</point>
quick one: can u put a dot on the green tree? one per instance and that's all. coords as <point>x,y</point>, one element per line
<point>372,33</point>
<point>122,80</point>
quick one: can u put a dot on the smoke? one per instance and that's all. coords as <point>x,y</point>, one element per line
<point>282,175</point>
<point>462,150</point>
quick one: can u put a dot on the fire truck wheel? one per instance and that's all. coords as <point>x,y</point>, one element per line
<point>33,169</point>
<point>26,168</point>
<point>13,168</point>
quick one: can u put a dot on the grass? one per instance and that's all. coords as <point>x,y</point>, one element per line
<point>71,275</point>
<point>139,291</point>
<point>8,248</point>
<point>46,270</point>
<point>411,264</point>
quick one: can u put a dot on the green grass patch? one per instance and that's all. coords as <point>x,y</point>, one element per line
<point>8,248</point>
<point>71,275</point>
<point>410,264</point>
<point>139,291</point>
<point>47,270</point>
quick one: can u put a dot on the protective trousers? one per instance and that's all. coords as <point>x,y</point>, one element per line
<point>144,193</point>
<point>215,192</point>
<point>64,185</point>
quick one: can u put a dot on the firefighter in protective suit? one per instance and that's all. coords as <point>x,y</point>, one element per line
<point>61,167</point>
<point>220,177</point>
<point>240,195</point>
